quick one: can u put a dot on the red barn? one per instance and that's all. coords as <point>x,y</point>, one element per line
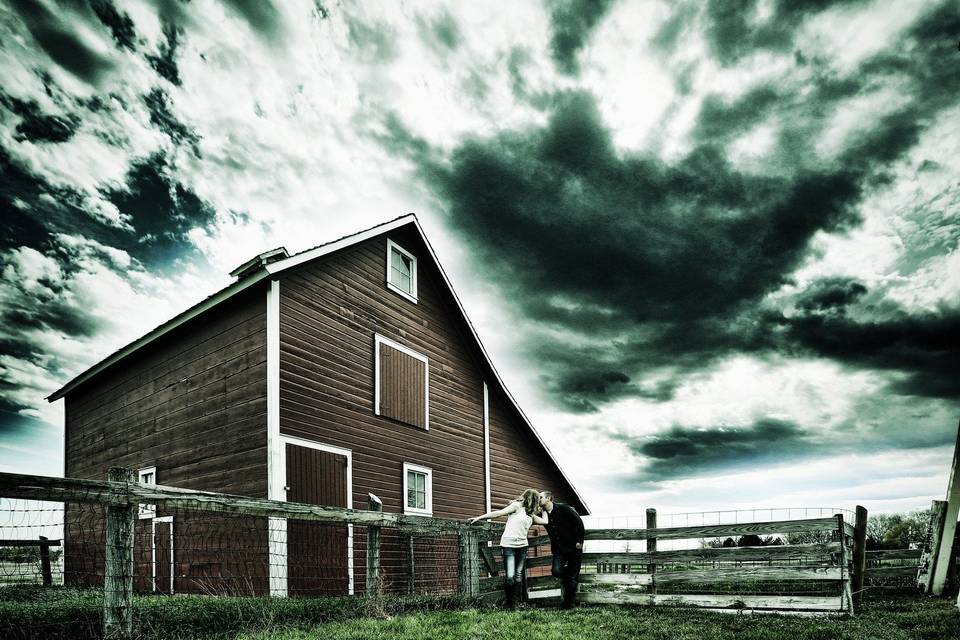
<point>347,369</point>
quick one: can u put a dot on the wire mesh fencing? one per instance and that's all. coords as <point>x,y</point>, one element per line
<point>108,559</point>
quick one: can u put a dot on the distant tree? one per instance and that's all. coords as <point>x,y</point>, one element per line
<point>897,530</point>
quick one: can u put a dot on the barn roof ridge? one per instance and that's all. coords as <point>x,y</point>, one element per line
<point>271,269</point>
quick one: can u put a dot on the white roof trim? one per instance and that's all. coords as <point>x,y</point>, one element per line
<point>273,269</point>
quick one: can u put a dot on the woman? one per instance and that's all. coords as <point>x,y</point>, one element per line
<point>521,514</point>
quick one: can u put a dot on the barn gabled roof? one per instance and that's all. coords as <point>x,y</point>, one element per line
<point>268,270</point>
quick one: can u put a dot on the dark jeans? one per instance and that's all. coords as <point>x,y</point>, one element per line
<point>566,566</point>
<point>514,564</point>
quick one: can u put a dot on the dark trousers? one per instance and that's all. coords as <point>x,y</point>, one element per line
<point>566,566</point>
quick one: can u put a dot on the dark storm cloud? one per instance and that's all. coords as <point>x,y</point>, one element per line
<point>58,38</point>
<point>36,126</point>
<point>165,60</point>
<point>119,23</point>
<point>572,22</point>
<point>663,267</point>
<point>684,451</point>
<point>162,117</point>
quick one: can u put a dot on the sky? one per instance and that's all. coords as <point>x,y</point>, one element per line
<point>723,235</point>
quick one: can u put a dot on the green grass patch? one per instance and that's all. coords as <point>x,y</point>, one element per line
<point>28,613</point>
<point>891,619</point>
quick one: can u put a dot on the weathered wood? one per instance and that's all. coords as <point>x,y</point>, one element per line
<point>46,488</point>
<point>538,541</point>
<point>928,558</point>
<point>373,549</point>
<point>118,568</point>
<point>859,554</point>
<point>40,542</point>
<point>894,554</point>
<point>889,572</point>
<point>788,602</point>
<point>45,562</point>
<point>715,530</point>
<point>748,574</point>
<point>488,559</point>
<point>846,593</point>
<point>468,563</point>
<point>941,563</point>
<point>809,552</point>
<point>652,546</point>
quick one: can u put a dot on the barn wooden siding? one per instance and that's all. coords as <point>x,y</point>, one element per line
<point>330,311</point>
<point>402,387</point>
<point>193,404</point>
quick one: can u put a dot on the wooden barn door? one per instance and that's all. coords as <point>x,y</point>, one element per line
<point>317,554</point>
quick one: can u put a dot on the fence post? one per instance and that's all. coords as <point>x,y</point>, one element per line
<point>45,562</point>
<point>859,553</point>
<point>941,562</point>
<point>845,577</point>
<point>373,548</point>
<point>469,563</point>
<point>118,564</point>
<point>938,515</point>
<point>652,547</point>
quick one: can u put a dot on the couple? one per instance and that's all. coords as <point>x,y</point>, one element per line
<point>565,528</point>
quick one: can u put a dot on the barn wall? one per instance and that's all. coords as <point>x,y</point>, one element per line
<point>193,404</point>
<point>330,310</point>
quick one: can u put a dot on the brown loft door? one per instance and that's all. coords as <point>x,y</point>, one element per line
<point>316,553</point>
<point>402,387</point>
<point>163,557</point>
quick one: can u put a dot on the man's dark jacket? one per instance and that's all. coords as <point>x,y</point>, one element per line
<point>565,529</point>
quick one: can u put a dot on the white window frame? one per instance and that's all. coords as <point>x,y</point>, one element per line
<point>377,341</point>
<point>411,296</point>
<point>146,511</point>
<point>428,487</point>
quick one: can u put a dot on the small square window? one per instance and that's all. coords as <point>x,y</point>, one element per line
<point>417,489</point>
<point>401,271</point>
<point>147,476</point>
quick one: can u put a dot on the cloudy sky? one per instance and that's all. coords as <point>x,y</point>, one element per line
<point>724,234</point>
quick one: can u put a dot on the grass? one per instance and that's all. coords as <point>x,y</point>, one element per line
<point>888,619</point>
<point>28,613</point>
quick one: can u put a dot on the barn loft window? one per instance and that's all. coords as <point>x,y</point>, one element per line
<point>147,475</point>
<point>418,489</point>
<point>401,271</point>
<point>401,383</point>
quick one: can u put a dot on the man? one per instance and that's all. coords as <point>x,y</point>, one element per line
<point>565,529</point>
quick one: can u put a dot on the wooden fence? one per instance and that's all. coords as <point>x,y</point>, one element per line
<point>711,577</point>
<point>121,496</point>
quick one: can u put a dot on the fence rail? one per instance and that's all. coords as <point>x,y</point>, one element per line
<point>128,538</point>
<point>813,577</point>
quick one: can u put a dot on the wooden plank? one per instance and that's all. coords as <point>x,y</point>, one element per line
<point>652,545</point>
<point>411,567</point>
<point>41,542</point>
<point>787,602</point>
<point>113,493</point>
<point>468,561</point>
<point>488,560</point>
<point>846,593</point>
<point>859,554</point>
<point>45,562</point>
<point>894,554</point>
<point>808,552</point>
<point>622,579</point>
<point>931,550</point>
<point>716,530</point>
<point>890,572</point>
<point>748,574</point>
<point>118,565</point>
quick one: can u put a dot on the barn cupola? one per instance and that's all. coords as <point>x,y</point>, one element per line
<point>256,263</point>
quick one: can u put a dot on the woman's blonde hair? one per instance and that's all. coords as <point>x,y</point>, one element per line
<point>530,499</point>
